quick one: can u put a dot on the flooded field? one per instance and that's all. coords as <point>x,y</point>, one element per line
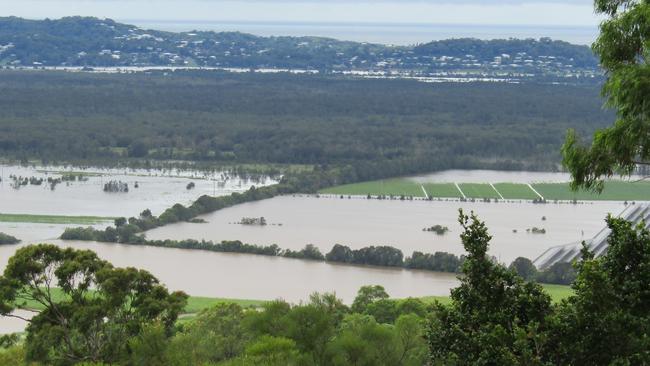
<point>359,222</point>
<point>491,176</point>
<point>156,190</point>
<point>293,222</point>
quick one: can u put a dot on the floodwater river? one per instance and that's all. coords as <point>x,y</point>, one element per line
<point>360,222</point>
<point>242,276</point>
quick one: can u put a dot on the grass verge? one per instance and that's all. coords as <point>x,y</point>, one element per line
<point>478,190</point>
<point>395,187</point>
<point>54,219</point>
<point>515,191</point>
<point>557,293</point>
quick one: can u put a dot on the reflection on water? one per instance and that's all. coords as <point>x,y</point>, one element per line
<point>359,222</point>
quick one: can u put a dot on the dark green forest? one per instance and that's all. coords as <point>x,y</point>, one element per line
<point>253,118</point>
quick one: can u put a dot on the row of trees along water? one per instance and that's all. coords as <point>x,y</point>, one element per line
<point>494,317</point>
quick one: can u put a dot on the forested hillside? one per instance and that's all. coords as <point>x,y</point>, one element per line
<point>243,118</point>
<point>92,42</point>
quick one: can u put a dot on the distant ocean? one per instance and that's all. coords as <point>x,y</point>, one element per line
<point>386,33</point>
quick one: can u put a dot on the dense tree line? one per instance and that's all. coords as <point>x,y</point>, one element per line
<point>384,256</point>
<point>561,273</point>
<point>372,127</point>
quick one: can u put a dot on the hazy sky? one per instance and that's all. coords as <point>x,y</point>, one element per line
<point>507,12</point>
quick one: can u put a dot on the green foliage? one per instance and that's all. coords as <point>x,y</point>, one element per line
<point>271,351</point>
<point>524,268</point>
<point>440,262</point>
<point>150,346</point>
<point>215,335</point>
<point>559,273</point>
<point>623,48</point>
<point>14,355</point>
<point>371,129</point>
<point>310,251</point>
<point>607,322</point>
<point>494,316</point>
<point>85,325</point>
<point>363,341</point>
<point>366,296</point>
<point>378,256</point>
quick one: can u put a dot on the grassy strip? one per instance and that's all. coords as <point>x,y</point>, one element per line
<point>65,172</point>
<point>54,219</point>
<point>557,293</point>
<point>194,303</point>
<point>394,187</point>
<point>615,190</point>
<point>478,190</point>
<point>442,190</point>
<point>515,191</point>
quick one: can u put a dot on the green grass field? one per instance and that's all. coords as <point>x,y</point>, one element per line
<point>478,190</point>
<point>442,190</point>
<point>194,303</point>
<point>395,187</point>
<point>615,190</point>
<point>515,191</point>
<point>557,293</point>
<point>54,219</point>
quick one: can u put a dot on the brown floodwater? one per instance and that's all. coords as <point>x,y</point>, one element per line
<point>360,222</point>
<point>243,276</point>
<point>355,222</point>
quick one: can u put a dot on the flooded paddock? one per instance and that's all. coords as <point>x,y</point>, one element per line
<point>359,222</point>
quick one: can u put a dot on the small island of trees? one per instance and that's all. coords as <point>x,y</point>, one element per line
<point>116,187</point>
<point>438,229</point>
<point>259,221</point>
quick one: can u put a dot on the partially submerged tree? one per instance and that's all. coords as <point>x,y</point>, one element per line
<point>88,309</point>
<point>624,48</point>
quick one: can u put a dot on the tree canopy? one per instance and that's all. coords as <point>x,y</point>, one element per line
<point>623,47</point>
<point>89,309</point>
